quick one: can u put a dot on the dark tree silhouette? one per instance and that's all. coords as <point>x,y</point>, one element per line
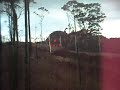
<point>27,46</point>
<point>13,73</point>
<point>0,55</point>
<point>27,87</point>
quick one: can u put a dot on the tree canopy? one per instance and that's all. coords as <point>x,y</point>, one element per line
<point>89,16</point>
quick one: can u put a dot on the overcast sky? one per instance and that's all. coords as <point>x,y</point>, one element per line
<point>57,19</point>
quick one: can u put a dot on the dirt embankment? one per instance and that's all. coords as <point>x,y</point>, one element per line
<point>61,71</point>
<point>52,72</point>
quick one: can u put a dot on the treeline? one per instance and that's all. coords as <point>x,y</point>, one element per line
<point>85,42</point>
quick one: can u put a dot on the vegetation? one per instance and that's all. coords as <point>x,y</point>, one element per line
<point>10,9</point>
<point>13,34</point>
<point>88,15</point>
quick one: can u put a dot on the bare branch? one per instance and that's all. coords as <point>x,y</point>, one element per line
<point>20,13</point>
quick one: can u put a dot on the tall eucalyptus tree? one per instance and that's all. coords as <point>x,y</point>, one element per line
<point>88,15</point>
<point>69,6</point>
<point>27,46</point>
<point>27,82</point>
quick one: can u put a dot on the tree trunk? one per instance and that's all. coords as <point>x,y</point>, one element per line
<point>0,55</point>
<point>30,45</point>
<point>10,23</point>
<point>26,33</point>
<point>27,72</point>
<point>10,28</point>
<point>14,61</point>
<point>75,35</point>
<point>15,28</point>
<point>29,30</point>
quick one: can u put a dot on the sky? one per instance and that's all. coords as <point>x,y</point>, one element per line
<point>56,19</point>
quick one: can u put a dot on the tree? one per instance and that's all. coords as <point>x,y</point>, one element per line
<point>69,6</point>
<point>13,50</point>
<point>13,16</point>
<point>12,24</point>
<point>27,48</point>
<point>89,16</point>
<point>0,55</point>
<point>43,11</point>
